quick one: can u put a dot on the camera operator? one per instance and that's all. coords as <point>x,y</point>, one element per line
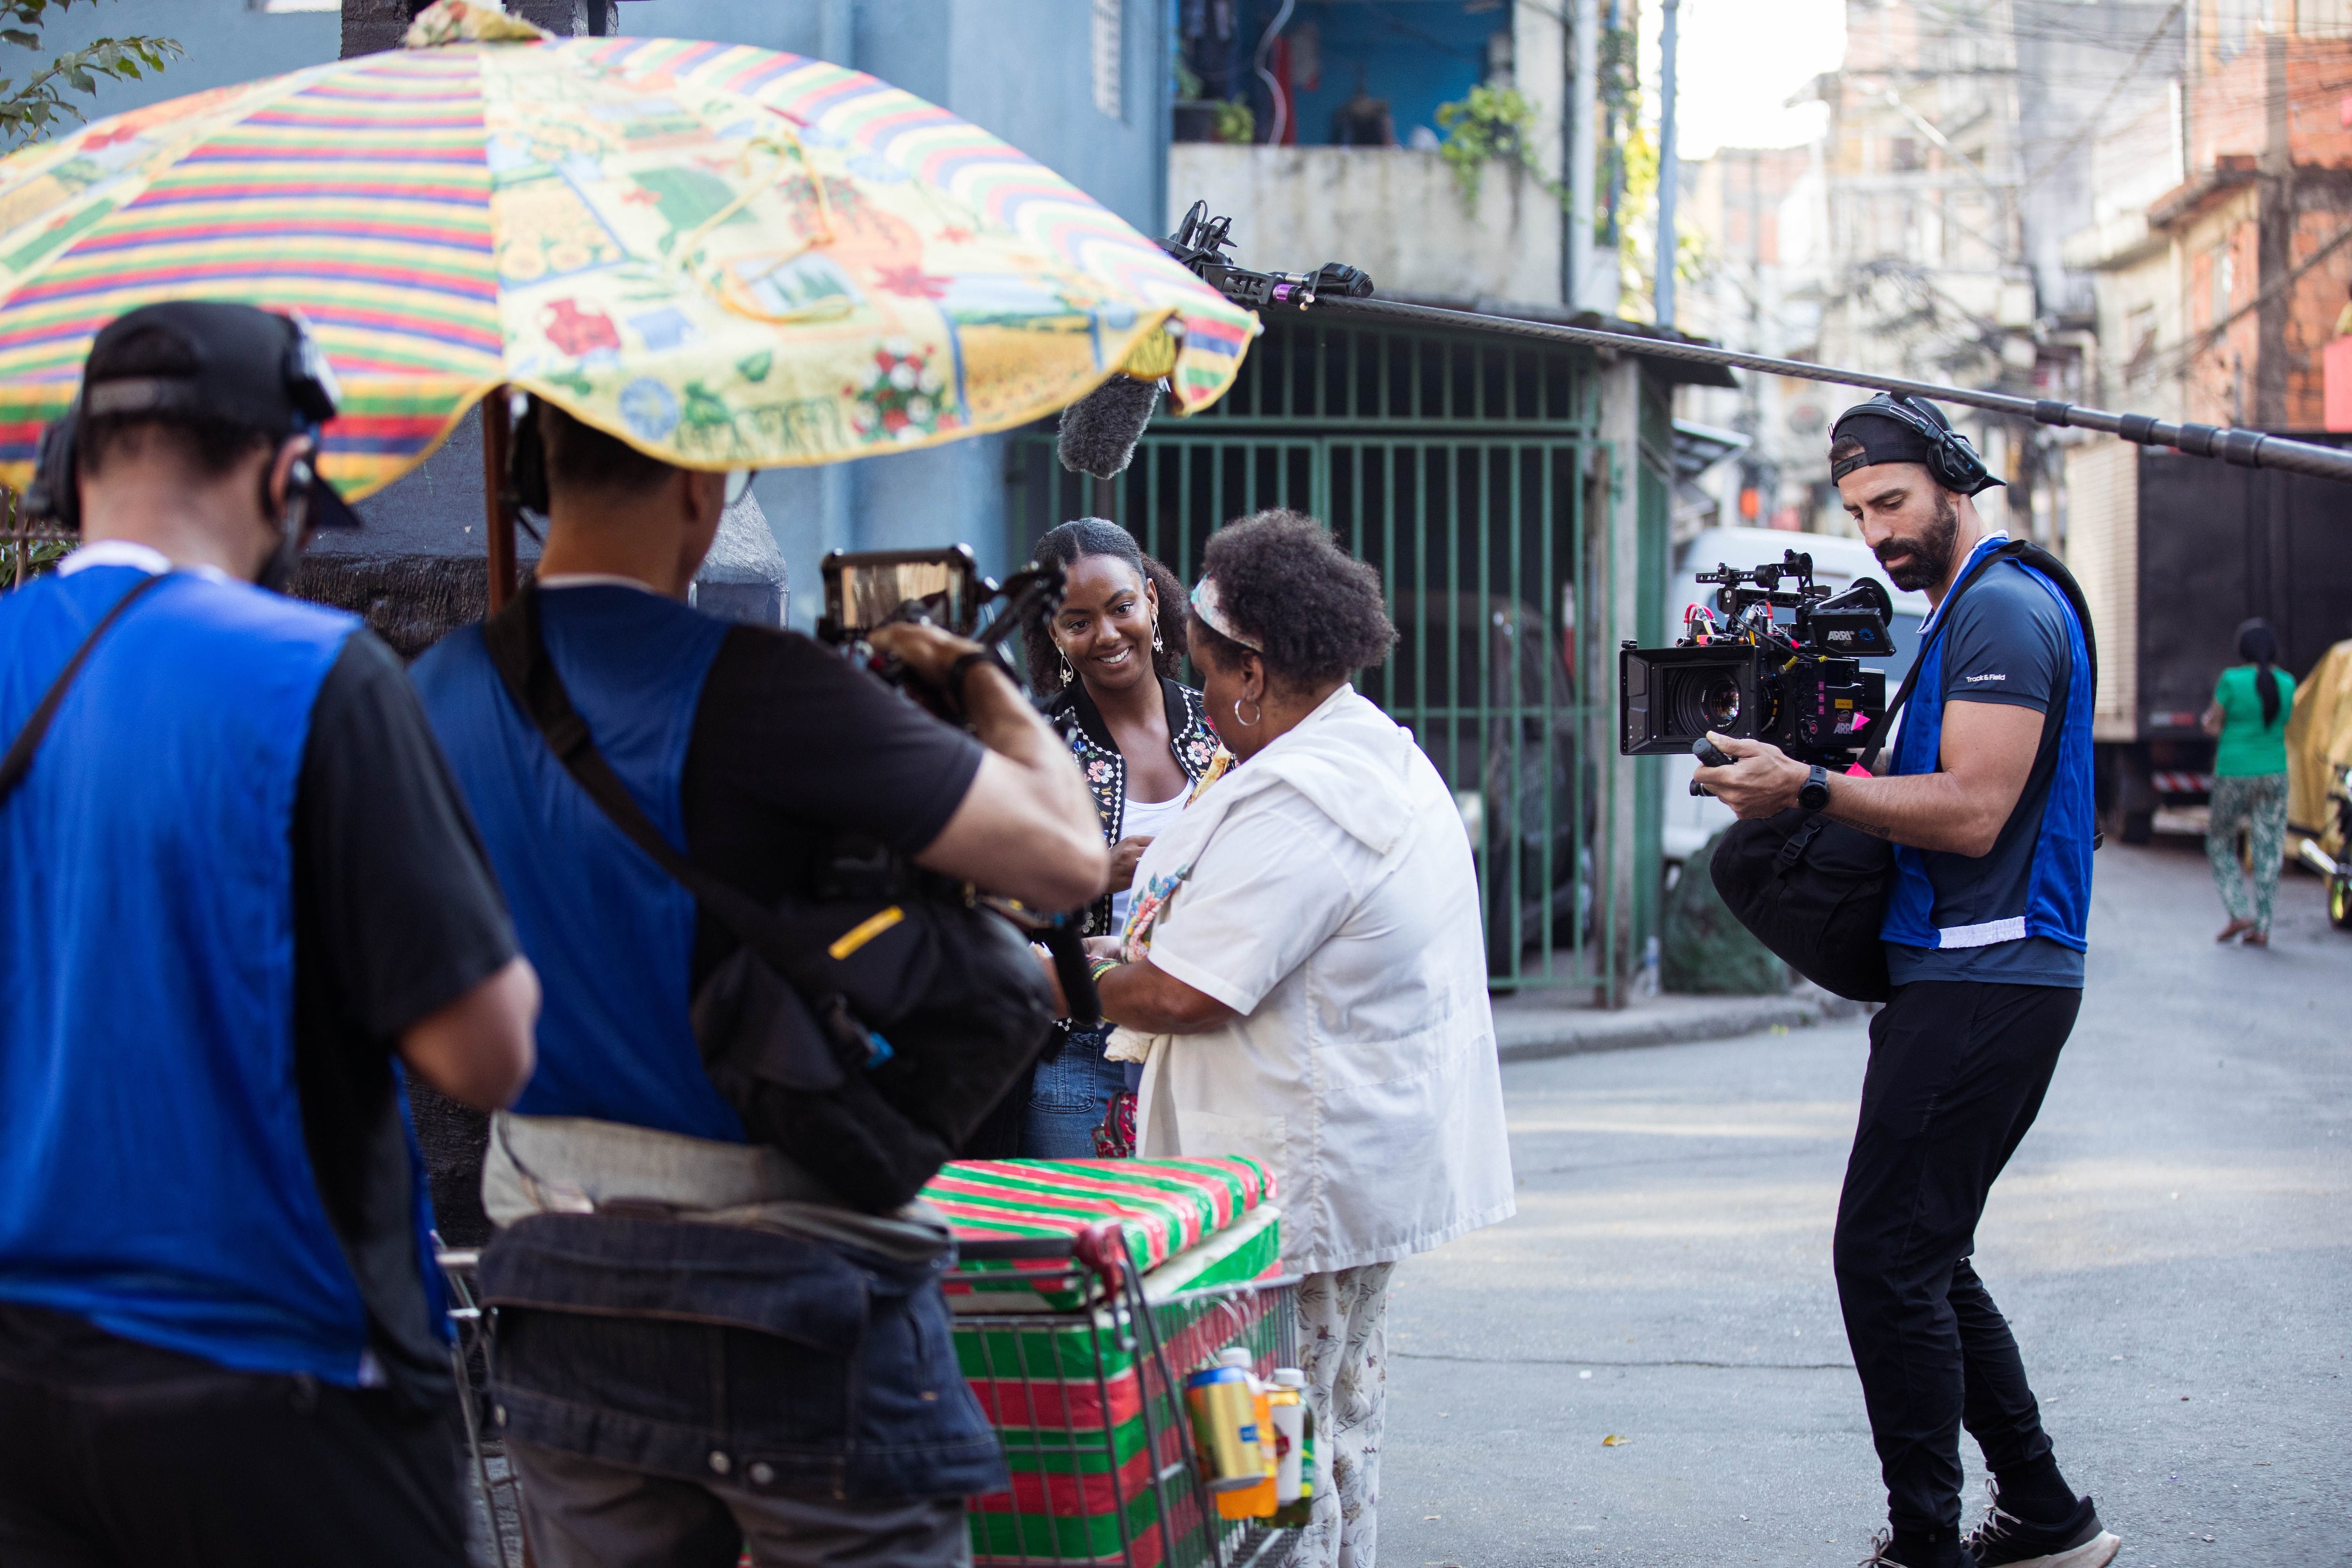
<point>1985,937</point>
<point>236,881</point>
<point>792,1384</point>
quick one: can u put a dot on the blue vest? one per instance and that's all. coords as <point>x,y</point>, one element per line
<point>611,934</point>
<point>2056,903</point>
<point>154,1175</point>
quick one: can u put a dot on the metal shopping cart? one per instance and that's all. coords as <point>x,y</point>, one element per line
<point>1079,1363</point>
<point>501,1515</point>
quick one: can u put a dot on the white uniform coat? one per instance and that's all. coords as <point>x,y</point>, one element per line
<point>1325,891</point>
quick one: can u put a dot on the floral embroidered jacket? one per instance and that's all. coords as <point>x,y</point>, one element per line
<point>1191,740</point>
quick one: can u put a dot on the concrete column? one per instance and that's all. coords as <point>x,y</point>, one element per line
<point>1612,565</point>
<point>573,18</point>
<point>370,26</point>
<point>1583,99</point>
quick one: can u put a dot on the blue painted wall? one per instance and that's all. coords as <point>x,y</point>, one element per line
<point>1024,71</point>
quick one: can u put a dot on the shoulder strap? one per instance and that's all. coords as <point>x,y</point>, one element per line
<point>1877,738</point>
<point>2053,719</point>
<point>19,760</point>
<point>519,653</point>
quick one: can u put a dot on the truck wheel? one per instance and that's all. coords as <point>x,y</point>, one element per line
<point>2139,827</point>
<point>2339,902</point>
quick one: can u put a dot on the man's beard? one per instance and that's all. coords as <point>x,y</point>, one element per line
<point>1926,555</point>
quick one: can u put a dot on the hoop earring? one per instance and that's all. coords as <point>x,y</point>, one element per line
<point>1248,723</point>
<point>1068,674</point>
<point>1155,633</point>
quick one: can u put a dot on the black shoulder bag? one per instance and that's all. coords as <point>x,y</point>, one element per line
<point>864,1032</point>
<point>1815,891</point>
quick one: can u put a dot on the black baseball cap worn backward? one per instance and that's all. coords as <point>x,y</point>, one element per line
<point>1908,430</point>
<point>252,367</point>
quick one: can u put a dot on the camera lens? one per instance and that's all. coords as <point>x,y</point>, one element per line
<point>1720,702</point>
<point>1702,699</point>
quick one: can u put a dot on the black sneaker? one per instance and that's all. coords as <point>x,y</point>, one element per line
<point>2001,1539</point>
<point>1951,1554</point>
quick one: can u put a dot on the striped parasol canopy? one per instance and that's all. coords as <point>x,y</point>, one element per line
<point>729,256</point>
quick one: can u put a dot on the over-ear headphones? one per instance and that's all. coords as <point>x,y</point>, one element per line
<point>53,496</point>
<point>308,397</point>
<point>1951,459</point>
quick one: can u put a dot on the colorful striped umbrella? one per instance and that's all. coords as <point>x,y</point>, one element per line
<point>729,256</point>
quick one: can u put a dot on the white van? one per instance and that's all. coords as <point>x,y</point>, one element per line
<point>1691,820</point>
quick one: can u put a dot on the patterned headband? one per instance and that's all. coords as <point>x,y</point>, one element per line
<point>1210,607</point>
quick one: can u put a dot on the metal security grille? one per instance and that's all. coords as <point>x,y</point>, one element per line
<point>1460,472</point>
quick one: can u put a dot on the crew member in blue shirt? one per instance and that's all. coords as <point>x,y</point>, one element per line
<point>1985,936</point>
<point>781,1376</point>
<point>238,895</point>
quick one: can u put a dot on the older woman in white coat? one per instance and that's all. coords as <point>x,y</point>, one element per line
<point>1304,953</point>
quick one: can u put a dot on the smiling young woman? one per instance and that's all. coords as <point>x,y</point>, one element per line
<point>1141,740</point>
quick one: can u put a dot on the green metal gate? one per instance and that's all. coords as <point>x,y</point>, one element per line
<point>1461,471</point>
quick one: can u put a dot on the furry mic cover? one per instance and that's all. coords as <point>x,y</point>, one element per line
<point>1100,431</point>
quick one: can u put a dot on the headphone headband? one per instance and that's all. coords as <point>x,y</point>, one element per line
<point>1948,455</point>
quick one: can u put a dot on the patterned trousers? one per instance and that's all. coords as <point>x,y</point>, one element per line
<point>1343,1351</point>
<point>2258,804</point>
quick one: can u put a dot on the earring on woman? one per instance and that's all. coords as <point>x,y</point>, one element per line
<point>1247,723</point>
<point>1155,633</point>
<point>1068,674</point>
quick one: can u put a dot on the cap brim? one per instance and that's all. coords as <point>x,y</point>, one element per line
<point>329,509</point>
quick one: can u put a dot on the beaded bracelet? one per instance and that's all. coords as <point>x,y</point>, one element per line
<point>1102,966</point>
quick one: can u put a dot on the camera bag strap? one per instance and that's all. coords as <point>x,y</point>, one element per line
<point>19,760</point>
<point>519,650</point>
<point>2046,757</point>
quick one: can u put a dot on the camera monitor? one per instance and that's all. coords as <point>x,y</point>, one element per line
<point>866,589</point>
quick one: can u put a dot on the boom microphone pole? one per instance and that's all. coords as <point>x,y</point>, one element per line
<point>1346,293</point>
<point>2249,448</point>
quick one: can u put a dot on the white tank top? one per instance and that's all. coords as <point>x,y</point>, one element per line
<point>1143,818</point>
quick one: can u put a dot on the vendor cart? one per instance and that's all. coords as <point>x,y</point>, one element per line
<point>1084,1293</point>
<point>1081,1369</point>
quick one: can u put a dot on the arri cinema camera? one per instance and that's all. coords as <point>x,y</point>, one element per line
<point>1744,668</point>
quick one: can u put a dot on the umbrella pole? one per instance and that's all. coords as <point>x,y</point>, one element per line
<point>498,437</point>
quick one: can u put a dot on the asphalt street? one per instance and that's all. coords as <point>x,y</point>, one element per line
<point>1647,1366</point>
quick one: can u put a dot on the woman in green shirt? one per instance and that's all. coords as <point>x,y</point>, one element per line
<point>2251,703</point>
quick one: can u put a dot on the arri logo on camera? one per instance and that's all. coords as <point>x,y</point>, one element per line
<point>1740,669</point>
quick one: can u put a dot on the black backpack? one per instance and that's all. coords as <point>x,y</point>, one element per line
<point>1815,891</point>
<point>865,1031</point>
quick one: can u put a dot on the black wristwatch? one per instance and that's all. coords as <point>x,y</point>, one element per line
<point>1815,794</point>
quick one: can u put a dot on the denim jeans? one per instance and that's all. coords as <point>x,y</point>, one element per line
<point>732,1355</point>
<point>1069,1097</point>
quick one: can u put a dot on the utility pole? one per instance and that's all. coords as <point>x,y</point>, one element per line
<point>1669,176</point>
<point>1583,100</point>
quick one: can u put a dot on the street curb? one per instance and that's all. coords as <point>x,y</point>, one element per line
<point>1537,1035</point>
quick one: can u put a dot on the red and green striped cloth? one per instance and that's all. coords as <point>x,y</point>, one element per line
<point>1162,1207</point>
<point>1065,1397</point>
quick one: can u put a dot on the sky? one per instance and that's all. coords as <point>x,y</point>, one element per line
<point>1740,61</point>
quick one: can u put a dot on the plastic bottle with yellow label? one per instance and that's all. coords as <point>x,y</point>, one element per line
<point>1256,1501</point>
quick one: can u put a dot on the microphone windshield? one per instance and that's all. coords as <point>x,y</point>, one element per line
<point>1100,431</point>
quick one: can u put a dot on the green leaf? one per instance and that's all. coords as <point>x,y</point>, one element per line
<point>21,38</point>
